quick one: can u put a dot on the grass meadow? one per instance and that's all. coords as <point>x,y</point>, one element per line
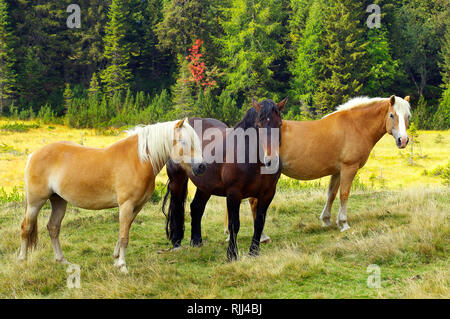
<point>398,212</point>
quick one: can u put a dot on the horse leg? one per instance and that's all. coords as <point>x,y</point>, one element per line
<point>175,217</point>
<point>197,209</point>
<point>29,226</point>
<point>262,204</point>
<point>332,191</point>
<point>347,175</point>
<point>233,205</point>
<point>59,206</point>
<point>127,213</point>
<point>253,206</point>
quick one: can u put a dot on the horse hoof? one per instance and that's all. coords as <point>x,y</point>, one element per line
<point>326,223</point>
<point>228,238</point>
<point>196,243</point>
<point>253,253</point>
<point>345,227</point>
<point>265,239</point>
<point>232,257</point>
<point>175,248</point>
<point>124,270</point>
<point>118,264</point>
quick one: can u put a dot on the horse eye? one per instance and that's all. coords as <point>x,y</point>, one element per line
<point>392,116</point>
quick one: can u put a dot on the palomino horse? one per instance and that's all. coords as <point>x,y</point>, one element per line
<point>121,175</point>
<point>228,178</point>
<point>339,144</point>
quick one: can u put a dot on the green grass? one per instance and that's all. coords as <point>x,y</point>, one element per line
<point>405,232</point>
<point>19,127</point>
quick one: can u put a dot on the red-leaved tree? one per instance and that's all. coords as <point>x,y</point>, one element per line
<point>199,74</point>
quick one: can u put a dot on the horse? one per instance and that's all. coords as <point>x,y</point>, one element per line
<point>339,145</point>
<point>121,175</point>
<point>226,178</point>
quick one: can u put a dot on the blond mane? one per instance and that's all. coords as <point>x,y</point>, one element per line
<point>400,107</point>
<point>155,142</point>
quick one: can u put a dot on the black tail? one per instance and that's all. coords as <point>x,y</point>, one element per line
<point>175,215</point>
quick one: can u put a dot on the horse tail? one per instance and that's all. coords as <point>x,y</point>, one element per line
<point>30,227</point>
<point>33,236</point>
<point>29,224</point>
<point>175,214</point>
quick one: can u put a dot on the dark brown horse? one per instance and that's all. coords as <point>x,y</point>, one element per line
<point>228,176</point>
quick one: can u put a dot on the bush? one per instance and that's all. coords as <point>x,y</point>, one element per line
<point>441,119</point>
<point>19,127</point>
<point>46,115</point>
<point>14,196</point>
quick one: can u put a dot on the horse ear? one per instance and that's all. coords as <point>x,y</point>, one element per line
<point>180,123</point>
<point>407,99</point>
<point>256,105</point>
<point>281,104</point>
<point>392,100</point>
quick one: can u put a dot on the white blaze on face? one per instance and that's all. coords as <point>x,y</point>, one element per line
<point>402,109</point>
<point>193,147</point>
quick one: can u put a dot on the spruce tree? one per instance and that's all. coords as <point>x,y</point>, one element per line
<point>251,45</point>
<point>382,67</point>
<point>7,74</point>
<point>116,77</point>
<point>343,67</point>
<point>305,68</point>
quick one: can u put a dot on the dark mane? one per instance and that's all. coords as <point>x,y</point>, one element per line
<point>249,120</point>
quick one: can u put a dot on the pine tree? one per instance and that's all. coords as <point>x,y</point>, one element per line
<point>116,77</point>
<point>253,29</point>
<point>343,67</point>
<point>183,93</point>
<point>94,86</point>
<point>7,74</point>
<point>382,67</point>
<point>87,42</point>
<point>185,21</point>
<point>441,118</point>
<point>68,97</point>
<point>305,68</point>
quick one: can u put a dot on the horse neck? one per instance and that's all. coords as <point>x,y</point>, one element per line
<point>371,121</point>
<point>155,144</point>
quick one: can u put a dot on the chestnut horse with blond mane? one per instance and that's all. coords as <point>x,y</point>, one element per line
<point>121,175</point>
<point>339,144</point>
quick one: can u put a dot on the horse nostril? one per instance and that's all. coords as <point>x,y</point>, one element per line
<point>202,168</point>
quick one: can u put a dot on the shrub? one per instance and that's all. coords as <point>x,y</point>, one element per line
<point>46,115</point>
<point>14,196</point>
<point>19,127</point>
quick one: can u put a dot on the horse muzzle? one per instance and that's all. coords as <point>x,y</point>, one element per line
<point>402,141</point>
<point>198,169</point>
